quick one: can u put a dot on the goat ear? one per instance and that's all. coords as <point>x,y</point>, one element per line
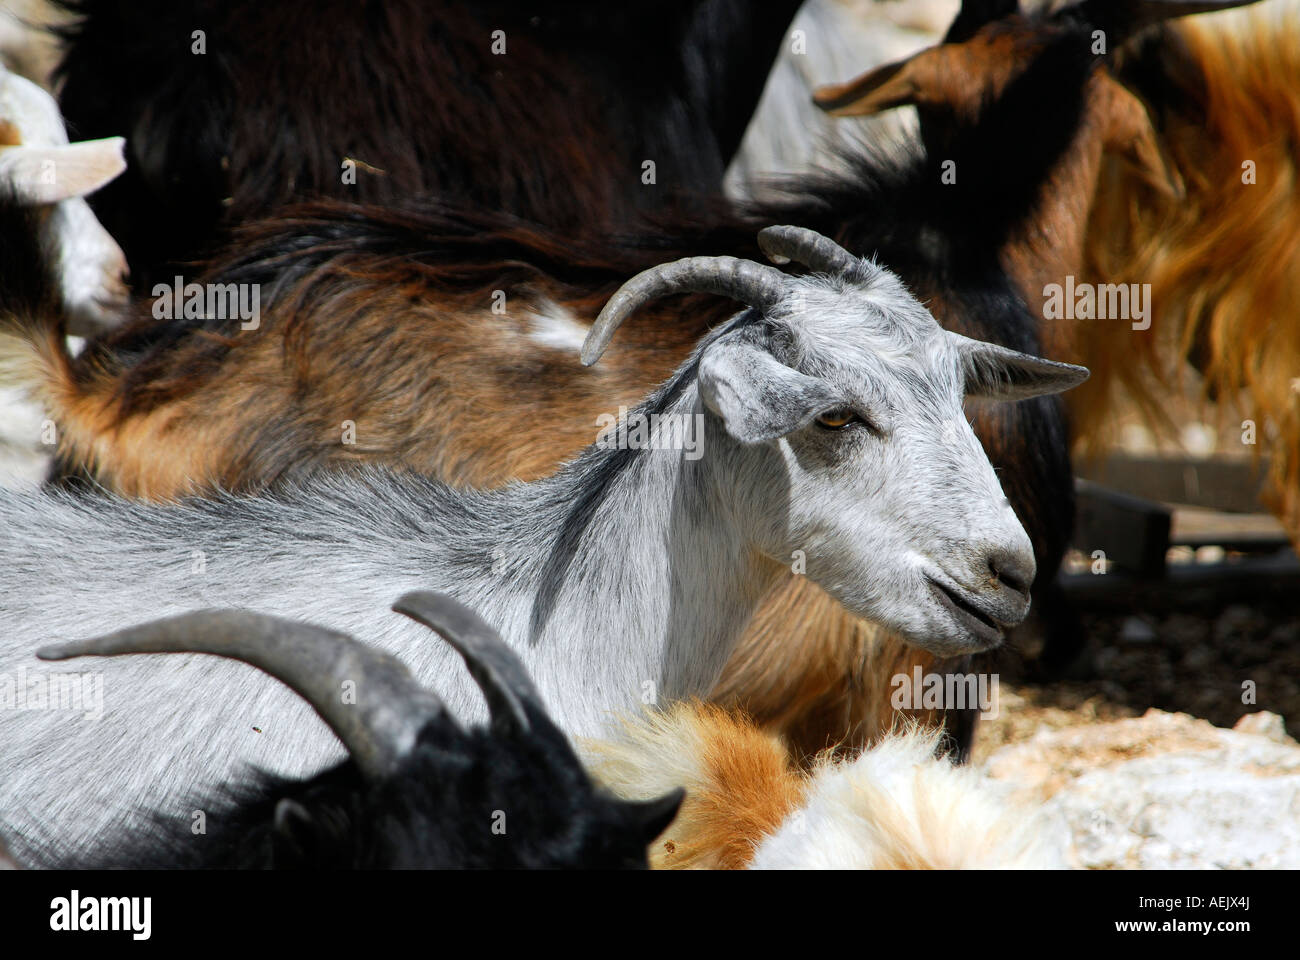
<point>893,85</point>
<point>996,373</point>
<point>40,175</point>
<point>757,397</point>
<point>656,815</point>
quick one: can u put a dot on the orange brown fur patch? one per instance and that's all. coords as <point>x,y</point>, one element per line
<point>752,788</point>
<point>741,783</point>
<point>898,805</point>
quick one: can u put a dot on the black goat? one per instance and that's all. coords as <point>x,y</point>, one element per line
<point>551,120</point>
<point>418,789</point>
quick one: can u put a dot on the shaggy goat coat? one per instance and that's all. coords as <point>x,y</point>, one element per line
<point>896,806</point>
<point>560,113</point>
<point>1223,261</point>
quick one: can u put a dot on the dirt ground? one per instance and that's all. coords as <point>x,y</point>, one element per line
<point>1192,651</point>
<point>1193,660</point>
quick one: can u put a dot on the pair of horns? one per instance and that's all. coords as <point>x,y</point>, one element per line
<point>390,707</point>
<point>754,284</point>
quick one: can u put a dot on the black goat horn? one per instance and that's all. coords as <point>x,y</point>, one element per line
<point>1127,18</point>
<point>496,669</point>
<point>378,727</point>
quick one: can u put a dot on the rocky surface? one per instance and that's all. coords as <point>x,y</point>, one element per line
<point>1164,790</point>
<point>1166,746</point>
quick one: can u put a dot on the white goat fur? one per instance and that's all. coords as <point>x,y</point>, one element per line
<point>839,39</point>
<point>896,806</point>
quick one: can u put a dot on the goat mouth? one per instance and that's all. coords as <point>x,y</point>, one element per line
<point>979,623</point>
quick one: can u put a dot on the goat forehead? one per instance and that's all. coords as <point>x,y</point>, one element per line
<point>823,309</point>
<point>877,333</point>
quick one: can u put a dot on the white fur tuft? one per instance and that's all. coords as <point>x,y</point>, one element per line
<point>897,807</point>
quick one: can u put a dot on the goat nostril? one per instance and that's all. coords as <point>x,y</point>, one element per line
<point>1010,574</point>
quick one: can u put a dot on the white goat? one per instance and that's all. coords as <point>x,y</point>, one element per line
<point>833,432</point>
<point>830,41</point>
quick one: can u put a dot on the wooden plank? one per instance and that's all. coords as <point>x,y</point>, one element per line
<point>1219,483</point>
<point>1239,542</point>
<point>1244,532</point>
<point>1132,533</point>
<point>1187,588</point>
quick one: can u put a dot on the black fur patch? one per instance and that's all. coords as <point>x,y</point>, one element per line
<point>267,115</point>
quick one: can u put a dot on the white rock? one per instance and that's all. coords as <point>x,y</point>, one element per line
<point>1167,790</point>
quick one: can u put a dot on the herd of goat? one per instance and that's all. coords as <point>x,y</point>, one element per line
<point>472,230</point>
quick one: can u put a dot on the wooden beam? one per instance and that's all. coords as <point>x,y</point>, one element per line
<point>1231,485</point>
<point>1131,532</point>
<point>1193,587</point>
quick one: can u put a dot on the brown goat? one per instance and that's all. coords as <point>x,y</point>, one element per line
<point>1224,261</point>
<point>1114,123</point>
<point>379,342</point>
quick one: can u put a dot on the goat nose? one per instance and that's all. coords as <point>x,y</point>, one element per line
<point>1013,569</point>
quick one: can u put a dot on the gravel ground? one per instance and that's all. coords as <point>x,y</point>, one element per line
<point>1192,662</point>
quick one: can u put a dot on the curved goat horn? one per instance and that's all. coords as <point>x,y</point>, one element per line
<point>751,283</point>
<point>783,244</point>
<point>378,730</point>
<point>500,674</point>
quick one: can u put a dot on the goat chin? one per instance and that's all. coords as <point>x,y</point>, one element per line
<point>897,805</point>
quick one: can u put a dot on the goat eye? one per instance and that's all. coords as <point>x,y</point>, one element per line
<point>838,419</point>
